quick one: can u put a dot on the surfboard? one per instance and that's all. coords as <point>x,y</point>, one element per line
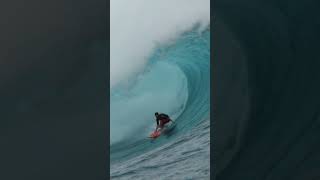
<point>155,134</point>
<point>165,129</point>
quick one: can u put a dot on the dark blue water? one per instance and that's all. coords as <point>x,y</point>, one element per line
<point>176,81</point>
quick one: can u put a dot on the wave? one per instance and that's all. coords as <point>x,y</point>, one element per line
<point>176,81</point>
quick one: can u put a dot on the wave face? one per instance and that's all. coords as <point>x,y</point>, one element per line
<point>177,82</point>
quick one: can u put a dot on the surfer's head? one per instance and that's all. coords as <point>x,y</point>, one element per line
<point>156,114</point>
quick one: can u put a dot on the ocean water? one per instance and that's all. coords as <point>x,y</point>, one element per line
<point>175,80</point>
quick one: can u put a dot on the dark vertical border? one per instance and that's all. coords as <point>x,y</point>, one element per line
<point>108,89</point>
<point>54,90</point>
<point>212,85</point>
<point>266,90</point>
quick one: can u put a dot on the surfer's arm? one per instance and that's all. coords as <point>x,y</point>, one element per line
<point>157,124</point>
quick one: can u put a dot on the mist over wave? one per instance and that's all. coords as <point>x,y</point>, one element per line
<point>137,27</point>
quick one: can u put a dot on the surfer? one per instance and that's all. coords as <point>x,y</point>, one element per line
<point>161,119</point>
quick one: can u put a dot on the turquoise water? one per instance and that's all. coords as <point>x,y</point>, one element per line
<point>176,81</point>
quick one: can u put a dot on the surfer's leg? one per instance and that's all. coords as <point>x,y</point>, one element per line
<point>161,125</point>
<point>166,121</point>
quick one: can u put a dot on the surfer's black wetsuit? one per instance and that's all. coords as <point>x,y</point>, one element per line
<point>162,119</point>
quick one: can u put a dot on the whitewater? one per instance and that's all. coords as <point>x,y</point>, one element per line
<point>160,62</point>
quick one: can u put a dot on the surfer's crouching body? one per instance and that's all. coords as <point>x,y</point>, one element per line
<point>161,119</point>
